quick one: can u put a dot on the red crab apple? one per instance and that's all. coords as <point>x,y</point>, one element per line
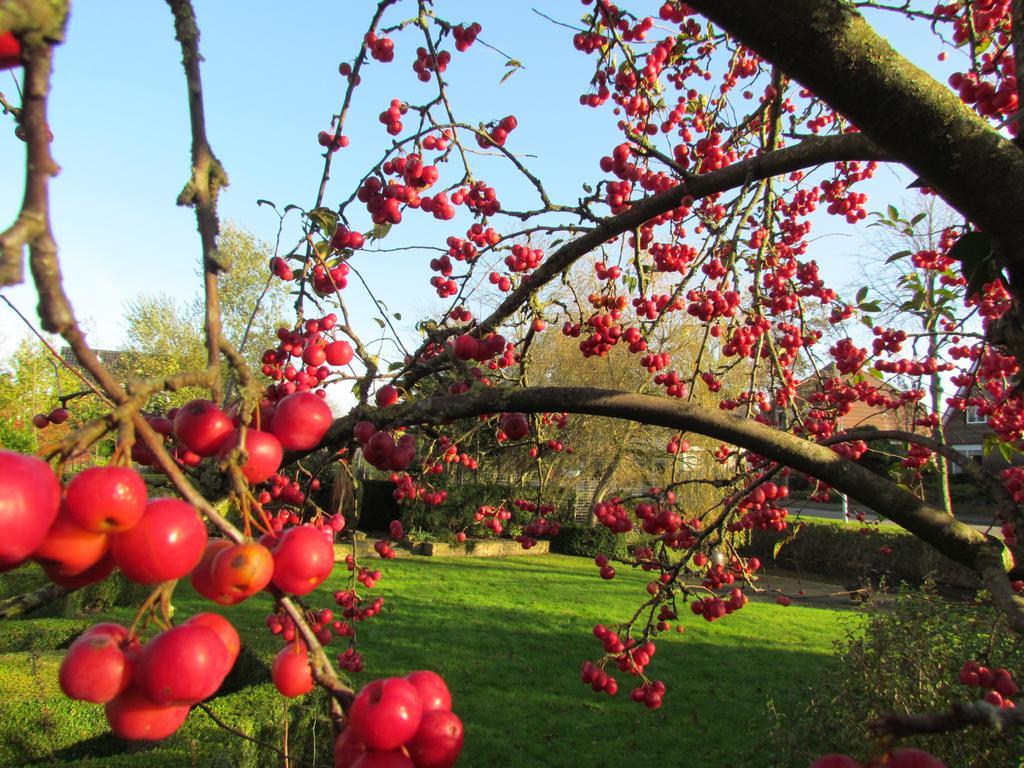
<point>241,570</point>
<point>465,347</point>
<point>910,757</point>
<point>394,758</point>
<point>99,664</point>
<point>166,544</point>
<point>386,713</point>
<point>438,741</point>
<point>202,575</point>
<point>264,453</point>
<point>300,421</point>
<point>386,395</point>
<point>303,558</point>
<point>515,426</point>
<point>106,499</point>
<point>132,716</point>
<point>291,672</point>
<point>363,431</point>
<point>68,549</point>
<point>59,415</point>
<point>202,427</point>
<point>182,665</point>
<point>227,633</point>
<point>433,690</point>
<point>339,353</point>
<point>28,505</point>
<point>10,51</point>
<point>836,761</point>
<point>91,575</point>
<point>347,749</point>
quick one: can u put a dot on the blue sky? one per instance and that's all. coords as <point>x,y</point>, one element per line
<point>119,114</point>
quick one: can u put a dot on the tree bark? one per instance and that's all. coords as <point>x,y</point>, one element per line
<point>30,601</point>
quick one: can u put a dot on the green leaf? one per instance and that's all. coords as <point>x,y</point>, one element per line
<point>261,201</point>
<point>395,365</point>
<point>869,306</point>
<point>862,294</point>
<point>397,315</point>
<point>918,218</point>
<point>897,256</point>
<point>323,249</point>
<point>379,231</point>
<point>326,221</point>
<point>507,75</point>
<point>379,322</point>
<point>894,214</point>
<point>1006,451</point>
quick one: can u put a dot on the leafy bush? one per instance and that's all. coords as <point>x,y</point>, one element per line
<point>584,541</point>
<point>852,553</point>
<point>905,658</point>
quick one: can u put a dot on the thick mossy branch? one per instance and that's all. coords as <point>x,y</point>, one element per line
<point>986,555</point>
<point>35,21</point>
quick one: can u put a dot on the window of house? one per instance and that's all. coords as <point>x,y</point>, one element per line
<point>975,452</point>
<point>973,417</point>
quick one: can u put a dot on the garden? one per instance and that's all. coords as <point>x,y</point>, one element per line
<point>624,296</point>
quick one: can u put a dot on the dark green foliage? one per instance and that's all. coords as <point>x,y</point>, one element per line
<point>852,552</point>
<point>39,634</point>
<point>112,592</point>
<point>456,513</point>
<point>906,658</point>
<point>584,541</point>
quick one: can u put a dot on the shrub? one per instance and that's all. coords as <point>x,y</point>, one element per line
<point>584,541</point>
<point>856,554</point>
<point>904,658</point>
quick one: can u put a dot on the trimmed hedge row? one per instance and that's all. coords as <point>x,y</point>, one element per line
<point>584,541</point>
<point>850,552</point>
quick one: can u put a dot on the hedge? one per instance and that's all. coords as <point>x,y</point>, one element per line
<point>584,541</point>
<point>854,553</point>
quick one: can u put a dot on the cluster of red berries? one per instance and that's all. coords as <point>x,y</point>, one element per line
<point>714,608</point>
<point>381,49</point>
<point>465,36</point>
<point>382,450</point>
<point>401,722</point>
<point>148,689</point>
<point>57,416</point>
<point>391,117</point>
<point>332,142</point>
<point>999,682</point>
<point>497,134</point>
<point>425,64</point>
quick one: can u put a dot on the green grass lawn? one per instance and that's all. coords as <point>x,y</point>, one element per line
<point>509,636</point>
